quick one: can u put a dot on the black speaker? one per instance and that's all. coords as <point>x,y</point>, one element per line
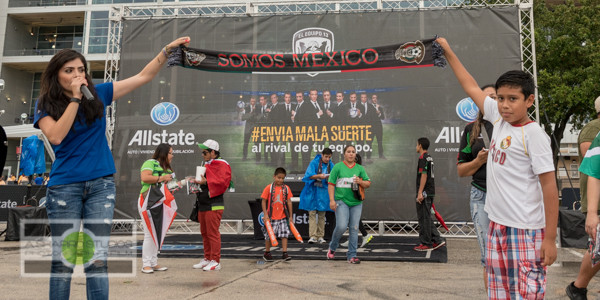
<point>294,181</point>
<point>31,231</point>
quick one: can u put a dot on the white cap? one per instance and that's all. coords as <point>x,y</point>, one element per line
<point>209,144</point>
<point>597,104</point>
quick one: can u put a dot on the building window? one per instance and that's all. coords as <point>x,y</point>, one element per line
<point>54,38</point>
<point>98,32</point>
<point>562,173</point>
<point>574,170</point>
<point>35,93</point>
<point>97,77</point>
<point>122,1</point>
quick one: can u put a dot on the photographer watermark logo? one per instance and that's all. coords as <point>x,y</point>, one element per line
<point>467,110</point>
<point>78,248</point>
<point>164,113</point>
<point>75,249</point>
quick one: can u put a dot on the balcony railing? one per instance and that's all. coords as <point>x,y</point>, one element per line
<point>33,52</point>
<point>28,3</point>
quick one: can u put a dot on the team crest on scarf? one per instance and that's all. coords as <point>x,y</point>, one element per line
<point>312,40</point>
<point>194,59</point>
<point>412,52</point>
<point>505,142</point>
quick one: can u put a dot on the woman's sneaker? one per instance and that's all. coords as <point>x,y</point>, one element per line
<point>212,266</point>
<point>344,244</point>
<point>203,263</point>
<point>366,239</point>
<point>330,254</point>
<point>354,260</point>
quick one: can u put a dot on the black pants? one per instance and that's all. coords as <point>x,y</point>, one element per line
<point>428,233</point>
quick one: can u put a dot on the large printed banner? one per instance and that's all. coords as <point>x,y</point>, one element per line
<point>264,119</point>
<point>424,53</point>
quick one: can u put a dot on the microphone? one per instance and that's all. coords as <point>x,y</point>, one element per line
<point>86,93</point>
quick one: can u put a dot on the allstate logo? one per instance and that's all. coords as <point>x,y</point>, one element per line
<point>164,113</point>
<point>467,110</point>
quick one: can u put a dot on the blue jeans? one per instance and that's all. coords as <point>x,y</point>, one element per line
<point>67,205</point>
<point>346,217</point>
<point>481,222</point>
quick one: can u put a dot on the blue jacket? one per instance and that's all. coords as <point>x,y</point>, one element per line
<point>314,195</point>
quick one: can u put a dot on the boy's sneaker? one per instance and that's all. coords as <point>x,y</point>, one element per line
<point>212,266</point>
<point>330,254</point>
<point>312,240</point>
<point>203,263</point>
<point>354,260</point>
<point>344,244</point>
<point>436,245</point>
<point>285,256</point>
<point>268,257</point>
<point>576,293</point>
<point>322,241</point>
<point>422,248</point>
<point>366,239</point>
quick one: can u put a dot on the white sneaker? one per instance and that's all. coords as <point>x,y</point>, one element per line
<point>322,241</point>
<point>203,263</point>
<point>366,240</point>
<point>312,240</point>
<point>212,266</point>
<point>344,244</point>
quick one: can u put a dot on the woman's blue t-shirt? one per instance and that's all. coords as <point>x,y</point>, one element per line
<point>84,153</point>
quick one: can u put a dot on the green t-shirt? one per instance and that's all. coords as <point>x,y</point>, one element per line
<point>154,166</point>
<point>341,176</point>
<point>591,162</point>
<point>587,134</point>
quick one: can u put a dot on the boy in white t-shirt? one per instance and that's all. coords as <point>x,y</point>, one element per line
<point>522,197</point>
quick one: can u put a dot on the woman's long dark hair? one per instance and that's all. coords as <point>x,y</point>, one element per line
<point>161,154</point>
<point>52,98</point>
<point>476,130</point>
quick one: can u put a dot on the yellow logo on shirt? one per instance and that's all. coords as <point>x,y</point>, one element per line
<point>505,142</point>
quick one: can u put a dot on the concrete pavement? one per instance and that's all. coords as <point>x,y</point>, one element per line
<point>460,278</point>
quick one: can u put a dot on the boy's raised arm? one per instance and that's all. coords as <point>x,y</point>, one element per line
<point>465,79</point>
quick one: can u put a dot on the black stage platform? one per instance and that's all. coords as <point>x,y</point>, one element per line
<point>381,248</point>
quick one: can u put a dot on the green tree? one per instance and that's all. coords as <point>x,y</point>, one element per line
<point>567,38</point>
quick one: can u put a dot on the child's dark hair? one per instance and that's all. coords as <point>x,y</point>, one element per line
<point>488,86</point>
<point>517,78</point>
<point>280,170</point>
<point>327,151</point>
<point>424,142</point>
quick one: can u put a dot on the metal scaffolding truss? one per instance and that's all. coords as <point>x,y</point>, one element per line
<point>379,228</point>
<point>111,65</point>
<point>232,8</point>
<point>194,9</point>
